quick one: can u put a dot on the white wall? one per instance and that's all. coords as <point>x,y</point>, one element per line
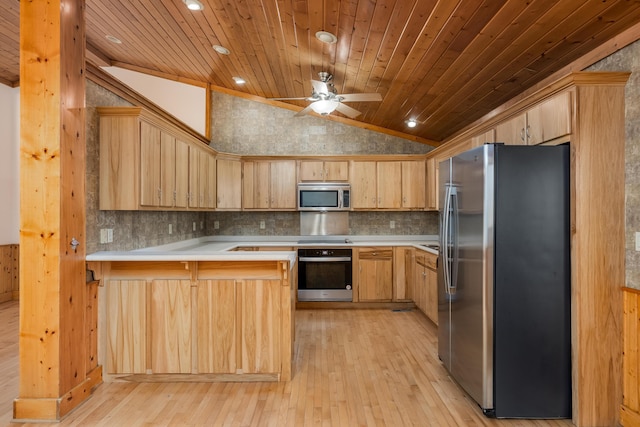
<point>186,102</point>
<point>9,165</point>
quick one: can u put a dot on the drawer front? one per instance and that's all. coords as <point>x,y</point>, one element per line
<point>375,253</point>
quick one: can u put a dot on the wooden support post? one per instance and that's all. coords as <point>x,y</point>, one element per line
<point>56,367</point>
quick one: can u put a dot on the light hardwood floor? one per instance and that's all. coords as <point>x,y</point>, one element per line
<point>352,368</point>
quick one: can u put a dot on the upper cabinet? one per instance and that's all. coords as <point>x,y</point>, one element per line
<point>544,122</point>
<point>398,185</point>
<point>269,185</point>
<point>229,184</point>
<point>317,170</point>
<point>147,164</point>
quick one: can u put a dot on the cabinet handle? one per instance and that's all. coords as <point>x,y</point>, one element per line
<point>175,196</point>
<point>159,193</point>
<point>522,134</point>
<point>527,133</point>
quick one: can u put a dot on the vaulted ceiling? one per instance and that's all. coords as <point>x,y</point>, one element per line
<point>445,63</point>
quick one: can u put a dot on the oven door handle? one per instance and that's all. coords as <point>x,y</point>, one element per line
<point>324,259</point>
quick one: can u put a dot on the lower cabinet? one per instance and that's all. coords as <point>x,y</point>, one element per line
<point>426,284</point>
<point>199,318</point>
<point>238,326</point>
<point>375,274</point>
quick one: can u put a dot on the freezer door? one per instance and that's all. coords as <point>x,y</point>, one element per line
<point>471,292</point>
<point>444,265</point>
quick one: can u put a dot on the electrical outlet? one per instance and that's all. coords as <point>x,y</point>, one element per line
<point>109,235</point>
<point>194,226</point>
<point>103,235</point>
<point>262,225</point>
<point>638,241</point>
<point>170,228</point>
<point>392,224</point>
<point>216,225</point>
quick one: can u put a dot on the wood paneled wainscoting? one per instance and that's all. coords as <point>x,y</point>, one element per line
<point>9,285</point>
<point>630,409</point>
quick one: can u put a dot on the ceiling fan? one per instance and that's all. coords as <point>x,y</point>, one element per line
<point>325,99</point>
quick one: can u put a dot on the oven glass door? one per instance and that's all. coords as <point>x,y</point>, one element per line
<point>324,278</point>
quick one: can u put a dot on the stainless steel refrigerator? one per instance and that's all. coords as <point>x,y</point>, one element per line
<point>504,278</point>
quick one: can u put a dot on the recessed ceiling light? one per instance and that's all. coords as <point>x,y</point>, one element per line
<point>239,80</point>
<point>113,39</point>
<point>221,49</point>
<point>412,123</point>
<point>193,4</point>
<point>326,37</point>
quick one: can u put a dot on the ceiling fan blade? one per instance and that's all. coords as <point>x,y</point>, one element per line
<point>319,87</point>
<point>288,99</point>
<point>360,97</point>
<point>304,111</point>
<point>347,111</point>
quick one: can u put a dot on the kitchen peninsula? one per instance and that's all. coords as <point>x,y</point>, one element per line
<point>207,309</point>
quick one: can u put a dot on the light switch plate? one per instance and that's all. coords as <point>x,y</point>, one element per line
<point>638,241</point>
<point>216,225</point>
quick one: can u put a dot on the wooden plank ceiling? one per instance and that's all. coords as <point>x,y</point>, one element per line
<point>444,62</point>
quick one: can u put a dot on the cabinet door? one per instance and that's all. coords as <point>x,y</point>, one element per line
<point>171,326</point>
<point>431,307</point>
<point>283,185</point>
<point>389,185</point>
<point>419,281</point>
<point>512,131</point>
<point>432,185</point>
<point>550,119</point>
<point>228,184</point>
<point>182,174</point>
<point>167,170</point>
<point>363,185</point>
<point>336,171</point>
<point>255,185</point>
<point>194,177</point>
<point>413,184</point>
<point>260,326</point>
<point>203,178</point>
<point>483,138</point>
<point>210,194</point>
<point>402,273</point>
<point>375,274</point>
<point>311,170</point>
<point>126,310</point>
<point>149,165</point>
<point>216,320</point>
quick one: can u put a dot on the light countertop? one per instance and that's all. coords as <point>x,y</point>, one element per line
<point>220,248</point>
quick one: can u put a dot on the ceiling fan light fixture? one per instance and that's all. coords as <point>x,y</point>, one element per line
<point>324,106</point>
<point>412,123</point>
<point>326,37</point>
<point>193,4</point>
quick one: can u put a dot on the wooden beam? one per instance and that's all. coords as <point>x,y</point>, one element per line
<point>53,344</point>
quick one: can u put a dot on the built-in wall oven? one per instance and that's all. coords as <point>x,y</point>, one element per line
<point>324,274</point>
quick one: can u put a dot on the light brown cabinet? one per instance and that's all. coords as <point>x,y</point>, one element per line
<point>318,170</point>
<point>426,284</point>
<point>228,184</point>
<point>398,185</point>
<point>269,185</point>
<point>198,318</point>
<point>230,338</point>
<point>546,121</point>
<point>483,138</point>
<point>143,163</point>
<point>403,259</point>
<point>432,184</point>
<point>375,273</point>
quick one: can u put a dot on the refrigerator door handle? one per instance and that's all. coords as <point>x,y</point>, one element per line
<point>444,234</point>
<point>453,275</point>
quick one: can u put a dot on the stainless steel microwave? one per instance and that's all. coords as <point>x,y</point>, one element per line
<point>323,196</point>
